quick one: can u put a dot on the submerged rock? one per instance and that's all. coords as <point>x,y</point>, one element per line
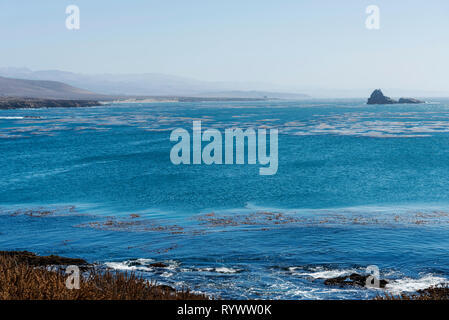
<point>377,97</point>
<point>158,265</point>
<point>354,279</point>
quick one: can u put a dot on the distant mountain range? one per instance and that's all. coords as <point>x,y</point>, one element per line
<point>253,94</point>
<point>148,84</point>
<point>117,86</point>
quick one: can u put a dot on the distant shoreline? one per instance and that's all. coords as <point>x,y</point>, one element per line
<point>32,103</point>
<point>160,99</point>
<point>7,103</point>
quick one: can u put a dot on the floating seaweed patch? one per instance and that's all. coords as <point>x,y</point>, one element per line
<point>42,212</point>
<point>254,219</point>
<point>131,224</point>
<point>269,220</point>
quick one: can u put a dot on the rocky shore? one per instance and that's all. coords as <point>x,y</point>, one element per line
<point>27,276</point>
<point>28,103</point>
<point>440,292</point>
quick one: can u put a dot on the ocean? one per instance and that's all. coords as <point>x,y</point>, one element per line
<point>357,185</point>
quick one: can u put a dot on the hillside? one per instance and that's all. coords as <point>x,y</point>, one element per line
<point>154,84</point>
<point>43,89</point>
<point>254,94</point>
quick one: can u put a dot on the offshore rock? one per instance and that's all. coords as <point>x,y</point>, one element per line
<point>377,97</point>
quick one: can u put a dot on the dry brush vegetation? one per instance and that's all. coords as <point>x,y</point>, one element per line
<point>25,276</point>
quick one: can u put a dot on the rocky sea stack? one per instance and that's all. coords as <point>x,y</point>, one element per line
<point>377,97</point>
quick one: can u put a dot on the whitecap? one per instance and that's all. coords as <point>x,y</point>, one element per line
<point>321,273</point>
<point>131,265</point>
<point>412,285</point>
<point>225,270</point>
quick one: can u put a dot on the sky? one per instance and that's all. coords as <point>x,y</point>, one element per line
<point>297,43</point>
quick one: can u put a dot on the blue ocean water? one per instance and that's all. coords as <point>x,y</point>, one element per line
<point>357,185</point>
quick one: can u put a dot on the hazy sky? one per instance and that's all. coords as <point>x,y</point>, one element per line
<point>301,43</point>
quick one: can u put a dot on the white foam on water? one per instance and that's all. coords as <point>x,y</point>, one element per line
<point>412,285</point>
<point>143,264</point>
<point>204,269</point>
<point>172,264</point>
<point>124,267</point>
<point>131,265</point>
<point>167,274</point>
<point>143,261</point>
<point>225,270</point>
<point>283,289</point>
<point>328,274</point>
<point>321,273</point>
<point>11,118</point>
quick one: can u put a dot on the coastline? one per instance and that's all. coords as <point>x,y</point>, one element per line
<point>7,103</point>
<point>27,276</point>
<point>173,269</point>
<point>10,103</point>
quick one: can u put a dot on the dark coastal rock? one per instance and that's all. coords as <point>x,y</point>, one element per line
<point>355,280</point>
<point>438,292</point>
<point>34,260</point>
<point>158,265</point>
<point>377,97</point>
<point>410,100</point>
<point>166,288</point>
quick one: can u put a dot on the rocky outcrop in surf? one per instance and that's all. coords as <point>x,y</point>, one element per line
<point>355,280</point>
